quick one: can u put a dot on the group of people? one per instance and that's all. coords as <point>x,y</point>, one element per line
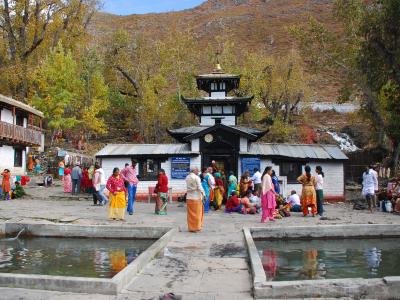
<point>78,179</point>
<point>9,191</point>
<point>206,189</point>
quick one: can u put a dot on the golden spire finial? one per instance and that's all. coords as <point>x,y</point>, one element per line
<point>218,67</point>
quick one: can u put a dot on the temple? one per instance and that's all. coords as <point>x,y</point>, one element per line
<point>218,137</point>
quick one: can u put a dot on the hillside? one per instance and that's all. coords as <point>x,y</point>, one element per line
<point>255,24</point>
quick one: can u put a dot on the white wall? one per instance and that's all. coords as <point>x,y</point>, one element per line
<point>178,185</point>
<point>7,160</point>
<point>333,180</point>
<point>210,120</point>
<point>195,145</point>
<point>243,145</point>
<point>6,116</point>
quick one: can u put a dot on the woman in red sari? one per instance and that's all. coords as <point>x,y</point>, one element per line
<point>86,185</point>
<point>162,193</point>
<point>67,180</point>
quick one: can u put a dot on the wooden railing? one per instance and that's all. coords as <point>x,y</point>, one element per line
<point>19,135</point>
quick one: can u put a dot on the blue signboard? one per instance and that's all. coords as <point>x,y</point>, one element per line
<point>249,163</point>
<point>180,167</point>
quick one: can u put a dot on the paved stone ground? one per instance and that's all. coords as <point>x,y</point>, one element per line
<point>208,265</point>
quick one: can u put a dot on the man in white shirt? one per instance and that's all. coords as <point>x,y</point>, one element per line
<point>194,201</point>
<point>294,202</point>
<point>375,173</point>
<point>99,183</point>
<point>369,185</point>
<point>256,178</point>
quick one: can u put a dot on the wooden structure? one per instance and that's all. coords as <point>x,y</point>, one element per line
<point>20,128</point>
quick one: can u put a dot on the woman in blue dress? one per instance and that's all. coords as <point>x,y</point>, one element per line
<point>206,187</point>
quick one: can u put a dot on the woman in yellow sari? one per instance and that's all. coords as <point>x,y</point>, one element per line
<point>116,186</point>
<point>308,194</point>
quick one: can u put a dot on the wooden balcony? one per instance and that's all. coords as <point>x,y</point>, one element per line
<point>17,135</point>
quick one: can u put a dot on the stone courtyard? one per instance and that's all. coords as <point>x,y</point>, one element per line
<point>212,264</point>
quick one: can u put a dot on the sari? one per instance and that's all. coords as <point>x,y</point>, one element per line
<point>207,192</point>
<point>5,185</point>
<point>232,185</point>
<point>308,194</point>
<point>117,190</point>
<point>67,181</point>
<point>218,191</point>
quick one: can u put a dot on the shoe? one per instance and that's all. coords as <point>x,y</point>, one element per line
<point>162,213</point>
<point>130,213</point>
<point>272,220</point>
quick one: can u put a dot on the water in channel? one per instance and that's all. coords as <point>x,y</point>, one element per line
<point>98,258</point>
<point>329,259</point>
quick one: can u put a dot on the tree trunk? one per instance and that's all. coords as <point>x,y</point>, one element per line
<point>395,157</point>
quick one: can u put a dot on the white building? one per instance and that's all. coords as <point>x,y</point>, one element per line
<point>219,138</point>
<point>20,128</point>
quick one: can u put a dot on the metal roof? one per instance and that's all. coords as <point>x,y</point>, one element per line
<point>20,105</point>
<point>297,151</point>
<point>144,149</point>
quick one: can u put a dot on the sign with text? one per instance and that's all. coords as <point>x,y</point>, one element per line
<point>249,163</point>
<point>180,167</point>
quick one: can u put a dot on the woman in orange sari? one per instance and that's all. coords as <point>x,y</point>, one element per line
<point>5,184</point>
<point>116,186</point>
<point>308,194</point>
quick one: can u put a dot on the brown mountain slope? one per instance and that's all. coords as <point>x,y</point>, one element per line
<point>254,24</point>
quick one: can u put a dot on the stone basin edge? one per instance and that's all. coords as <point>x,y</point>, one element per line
<point>110,286</point>
<point>380,288</point>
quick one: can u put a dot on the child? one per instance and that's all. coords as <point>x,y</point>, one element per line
<point>18,190</point>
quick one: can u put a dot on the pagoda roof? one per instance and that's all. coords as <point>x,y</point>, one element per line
<point>195,104</point>
<point>218,76</point>
<point>192,132</point>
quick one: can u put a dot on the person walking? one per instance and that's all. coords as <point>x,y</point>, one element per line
<point>319,189</point>
<point>256,178</point>
<point>115,184</point>
<point>67,180</point>
<point>375,202</point>
<point>162,193</point>
<point>369,183</point>
<point>194,203</point>
<point>129,175</point>
<point>308,194</point>
<point>76,176</point>
<point>5,184</point>
<point>99,184</point>
<point>268,201</point>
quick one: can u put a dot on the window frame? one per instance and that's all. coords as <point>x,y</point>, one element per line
<point>142,168</point>
<point>19,163</point>
<point>299,164</point>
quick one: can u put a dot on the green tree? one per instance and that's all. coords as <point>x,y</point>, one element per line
<point>72,96</point>
<point>57,90</point>
<point>29,28</point>
<point>365,53</point>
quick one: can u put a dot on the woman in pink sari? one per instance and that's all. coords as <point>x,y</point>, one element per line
<point>67,180</point>
<point>268,201</point>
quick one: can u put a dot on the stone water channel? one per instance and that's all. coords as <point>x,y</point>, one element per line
<point>213,264</point>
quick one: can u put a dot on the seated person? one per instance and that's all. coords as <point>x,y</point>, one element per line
<point>249,208</point>
<point>294,202</point>
<point>254,199</point>
<point>18,191</point>
<point>233,204</point>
